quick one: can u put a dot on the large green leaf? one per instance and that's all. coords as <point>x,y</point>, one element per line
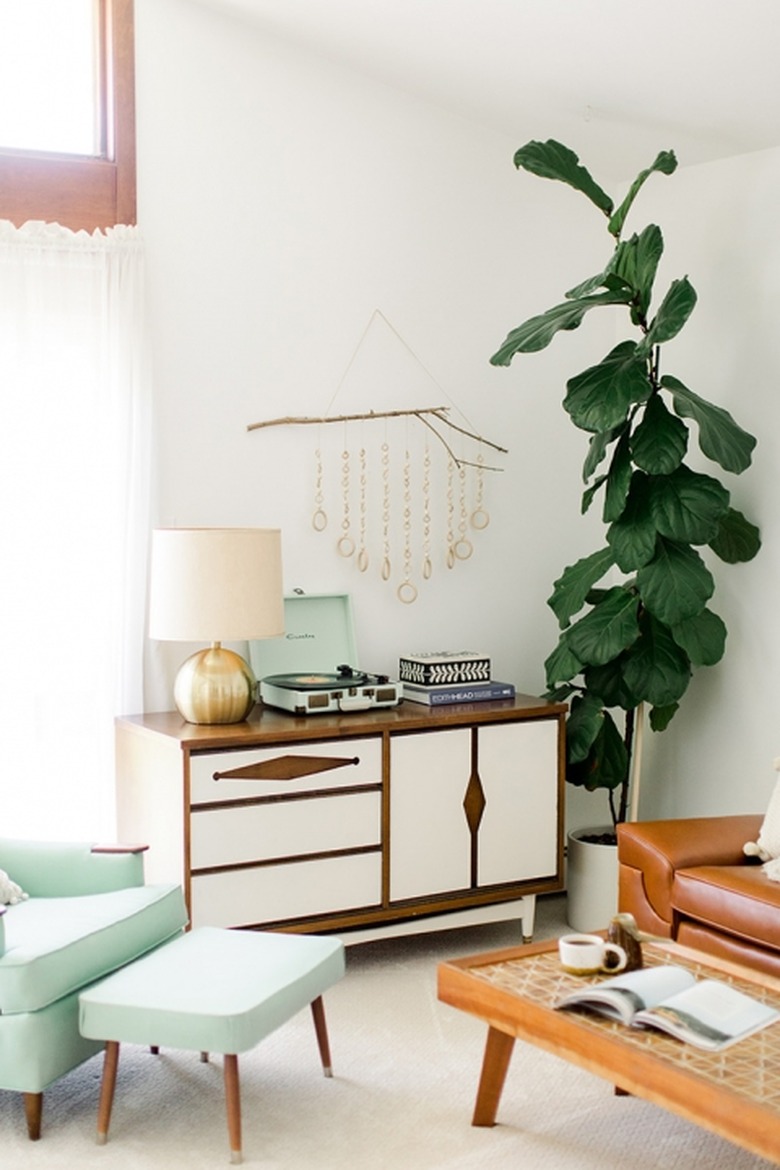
<point>599,398</point>
<point>606,279</point>
<point>589,493</point>
<point>656,668</point>
<point>660,441</point>
<point>703,638</point>
<point>661,717</point>
<point>562,665</point>
<point>687,506</point>
<point>632,537</point>
<point>636,262</point>
<point>720,438</point>
<point>618,480</point>
<point>574,584</point>
<point>610,627</point>
<point>586,715</point>
<point>537,332</point>
<point>737,539</point>
<point>676,584</point>
<point>608,683</point>
<point>553,160</point>
<point>606,765</point>
<point>666,163</point>
<point>675,309</point>
<point>597,449</point>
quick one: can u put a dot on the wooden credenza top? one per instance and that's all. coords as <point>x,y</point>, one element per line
<point>268,723</point>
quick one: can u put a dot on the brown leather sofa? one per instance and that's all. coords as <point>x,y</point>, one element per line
<point>688,879</point>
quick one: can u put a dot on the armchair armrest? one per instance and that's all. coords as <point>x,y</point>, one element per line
<point>650,852</point>
<point>66,869</point>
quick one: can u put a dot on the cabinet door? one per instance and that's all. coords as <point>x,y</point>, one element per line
<point>517,764</point>
<point>429,835</point>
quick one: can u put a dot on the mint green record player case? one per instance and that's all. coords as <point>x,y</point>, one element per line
<point>319,636</point>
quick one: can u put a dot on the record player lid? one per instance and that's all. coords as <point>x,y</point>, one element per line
<point>319,633</point>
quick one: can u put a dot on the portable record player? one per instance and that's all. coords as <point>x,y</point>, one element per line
<point>308,670</point>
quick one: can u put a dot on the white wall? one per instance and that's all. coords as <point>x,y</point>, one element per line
<point>720,227</point>
<point>284,200</point>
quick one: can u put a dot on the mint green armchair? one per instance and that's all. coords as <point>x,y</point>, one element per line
<point>88,913</point>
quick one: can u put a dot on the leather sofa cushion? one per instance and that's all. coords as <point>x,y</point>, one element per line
<point>57,945</point>
<point>734,899</point>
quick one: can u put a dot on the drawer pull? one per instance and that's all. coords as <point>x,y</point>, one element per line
<point>286,768</point>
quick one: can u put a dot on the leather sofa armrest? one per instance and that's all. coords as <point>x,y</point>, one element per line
<point>649,853</point>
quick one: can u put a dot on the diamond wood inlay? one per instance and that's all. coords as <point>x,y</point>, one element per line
<point>287,768</point>
<point>474,802</point>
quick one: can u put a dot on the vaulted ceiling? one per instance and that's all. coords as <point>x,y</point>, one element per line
<point>617,80</point>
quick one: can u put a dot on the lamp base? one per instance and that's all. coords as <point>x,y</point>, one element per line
<point>215,686</point>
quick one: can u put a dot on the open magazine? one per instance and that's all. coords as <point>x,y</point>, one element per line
<point>707,1013</point>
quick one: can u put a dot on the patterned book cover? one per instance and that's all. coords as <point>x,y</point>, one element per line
<point>444,668</point>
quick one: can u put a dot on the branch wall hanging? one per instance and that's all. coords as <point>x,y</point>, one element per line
<point>376,485</point>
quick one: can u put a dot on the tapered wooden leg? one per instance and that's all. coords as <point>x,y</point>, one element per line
<point>233,1102</point>
<point>108,1084</point>
<point>321,1028</point>
<point>498,1053</point>
<point>33,1111</point>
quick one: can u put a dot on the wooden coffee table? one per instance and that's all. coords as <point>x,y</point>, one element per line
<point>734,1093</point>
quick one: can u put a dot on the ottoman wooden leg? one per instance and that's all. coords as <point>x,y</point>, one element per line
<point>321,1028</point>
<point>110,1063</point>
<point>233,1102</point>
<point>33,1111</point>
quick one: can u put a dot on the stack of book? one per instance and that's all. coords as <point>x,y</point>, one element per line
<point>450,676</point>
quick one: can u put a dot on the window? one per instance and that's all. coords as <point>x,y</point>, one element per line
<point>87,182</point>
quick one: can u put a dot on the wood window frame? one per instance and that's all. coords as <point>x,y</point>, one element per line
<point>85,192</point>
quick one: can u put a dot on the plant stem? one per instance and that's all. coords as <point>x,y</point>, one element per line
<point>628,740</point>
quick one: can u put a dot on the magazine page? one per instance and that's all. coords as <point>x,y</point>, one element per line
<point>622,996</point>
<point>710,1015</point>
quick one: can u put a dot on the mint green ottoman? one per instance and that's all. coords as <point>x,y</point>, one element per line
<point>211,990</point>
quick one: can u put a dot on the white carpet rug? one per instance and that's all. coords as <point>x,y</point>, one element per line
<point>405,1075</point>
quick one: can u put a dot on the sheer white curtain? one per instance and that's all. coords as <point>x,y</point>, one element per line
<point>74,445</point>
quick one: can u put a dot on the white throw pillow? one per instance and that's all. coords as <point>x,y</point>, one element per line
<point>10,891</point>
<point>767,847</point>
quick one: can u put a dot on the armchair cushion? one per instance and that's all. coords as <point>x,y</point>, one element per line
<point>56,945</point>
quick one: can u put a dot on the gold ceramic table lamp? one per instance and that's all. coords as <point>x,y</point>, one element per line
<point>214,585</point>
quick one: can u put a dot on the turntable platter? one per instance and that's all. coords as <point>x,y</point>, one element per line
<point>315,682</point>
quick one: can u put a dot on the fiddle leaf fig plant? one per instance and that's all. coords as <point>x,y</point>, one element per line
<point>634,615</point>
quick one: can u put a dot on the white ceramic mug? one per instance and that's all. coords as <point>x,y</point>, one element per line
<point>588,954</point>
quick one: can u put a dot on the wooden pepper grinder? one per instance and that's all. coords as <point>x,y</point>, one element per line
<point>624,931</point>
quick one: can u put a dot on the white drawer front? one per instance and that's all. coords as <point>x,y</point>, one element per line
<point>249,897</point>
<point>227,836</point>
<point>355,761</point>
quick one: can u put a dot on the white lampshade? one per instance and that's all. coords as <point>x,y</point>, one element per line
<point>215,585</point>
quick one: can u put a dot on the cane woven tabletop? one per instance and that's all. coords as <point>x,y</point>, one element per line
<point>749,1068</point>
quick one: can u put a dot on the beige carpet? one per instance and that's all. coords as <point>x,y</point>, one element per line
<point>405,1073</point>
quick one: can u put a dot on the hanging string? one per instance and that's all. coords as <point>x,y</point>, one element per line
<point>362,557</point>
<point>345,545</point>
<point>480,518</point>
<point>319,519</point>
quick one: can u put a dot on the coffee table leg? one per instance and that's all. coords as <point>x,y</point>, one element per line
<point>233,1101</point>
<point>108,1084</point>
<point>321,1028</point>
<point>498,1053</point>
